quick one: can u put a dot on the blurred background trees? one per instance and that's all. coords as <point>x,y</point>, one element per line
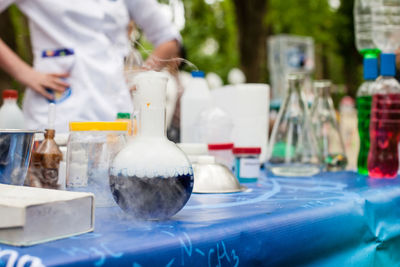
<point>221,34</point>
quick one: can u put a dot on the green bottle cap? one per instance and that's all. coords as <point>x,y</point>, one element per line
<point>121,115</point>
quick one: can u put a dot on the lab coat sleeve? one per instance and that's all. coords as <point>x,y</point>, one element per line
<point>5,3</point>
<point>147,14</point>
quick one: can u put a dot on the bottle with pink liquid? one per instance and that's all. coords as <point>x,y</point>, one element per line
<point>383,159</point>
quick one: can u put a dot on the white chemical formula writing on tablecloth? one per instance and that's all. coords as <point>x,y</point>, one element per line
<point>11,258</point>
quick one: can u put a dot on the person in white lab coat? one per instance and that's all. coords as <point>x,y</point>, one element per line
<point>78,49</point>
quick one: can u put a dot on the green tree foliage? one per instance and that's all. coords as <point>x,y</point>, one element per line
<point>210,36</point>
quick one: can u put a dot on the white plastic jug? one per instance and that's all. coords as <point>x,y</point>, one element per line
<point>195,99</point>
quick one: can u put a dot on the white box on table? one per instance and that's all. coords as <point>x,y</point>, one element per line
<point>30,215</point>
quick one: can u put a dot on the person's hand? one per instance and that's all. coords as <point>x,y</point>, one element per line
<point>39,82</point>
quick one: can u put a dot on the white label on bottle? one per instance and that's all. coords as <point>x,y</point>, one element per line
<point>249,168</point>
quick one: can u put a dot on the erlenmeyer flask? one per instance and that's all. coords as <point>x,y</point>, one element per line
<point>326,128</point>
<point>292,150</point>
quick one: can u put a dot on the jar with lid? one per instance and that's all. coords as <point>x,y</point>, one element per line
<point>222,153</point>
<point>91,146</point>
<point>247,163</point>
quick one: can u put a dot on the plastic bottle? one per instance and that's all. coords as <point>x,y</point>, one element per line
<point>363,26</point>
<point>11,116</point>
<point>363,102</point>
<point>383,160</point>
<point>132,129</point>
<point>46,159</point>
<point>195,99</point>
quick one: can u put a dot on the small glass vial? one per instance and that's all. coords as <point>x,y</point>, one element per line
<point>247,163</point>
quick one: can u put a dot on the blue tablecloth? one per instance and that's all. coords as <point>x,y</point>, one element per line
<point>337,219</point>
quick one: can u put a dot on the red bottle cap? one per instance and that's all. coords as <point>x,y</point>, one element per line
<point>9,93</point>
<point>222,146</point>
<point>247,150</point>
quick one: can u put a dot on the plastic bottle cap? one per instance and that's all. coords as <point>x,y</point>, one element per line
<point>198,74</point>
<point>9,93</point>
<point>121,115</point>
<point>388,65</point>
<point>370,68</point>
<point>247,150</point>
<point>222,146</point>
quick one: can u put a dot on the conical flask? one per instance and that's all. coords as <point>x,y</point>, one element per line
<point>292,150</point>
<point>151,178</point>
<point>326,128</point>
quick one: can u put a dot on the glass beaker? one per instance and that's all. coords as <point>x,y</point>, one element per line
<point>326,128</point>
<point>293,150</point>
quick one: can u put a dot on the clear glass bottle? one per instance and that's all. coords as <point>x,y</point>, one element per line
<point>326,128</point>
<point>151,178</point>
<point>293,150</point>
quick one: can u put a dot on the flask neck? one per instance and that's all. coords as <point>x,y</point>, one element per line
<point>152,122</point>
<point>323,92</point>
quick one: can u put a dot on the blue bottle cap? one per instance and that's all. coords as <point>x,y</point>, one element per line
<point>388,64</point>
<point>370,68</point>
<point>198,74</point>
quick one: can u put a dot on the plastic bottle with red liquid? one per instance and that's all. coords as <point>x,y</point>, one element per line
<point>383,160</point>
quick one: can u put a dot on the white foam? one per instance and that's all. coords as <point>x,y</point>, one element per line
<point>150,157</point>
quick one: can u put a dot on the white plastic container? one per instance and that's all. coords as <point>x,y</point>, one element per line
<point>91,148</point>
<point>11,116</point>
<point>214,126</point>
<point>195,99</point>
<point>222,153</point>
<point>248,106</point>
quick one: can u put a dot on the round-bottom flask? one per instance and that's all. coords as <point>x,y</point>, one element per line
<point>151,178</point>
